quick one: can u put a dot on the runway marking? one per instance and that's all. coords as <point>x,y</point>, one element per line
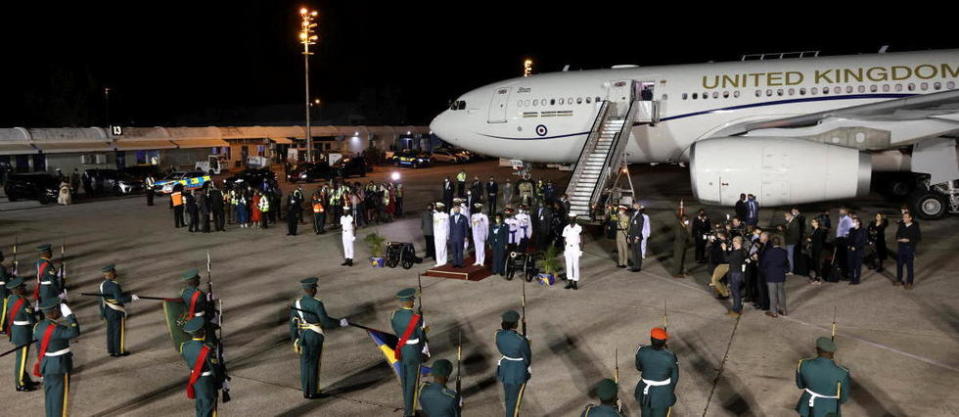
<point>857,338</point>
<point>722,367</point>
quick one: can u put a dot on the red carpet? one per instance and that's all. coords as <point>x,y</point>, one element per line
<point>468,272</point>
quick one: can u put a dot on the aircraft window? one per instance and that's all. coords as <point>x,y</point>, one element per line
<point>736,93</point>
<point>561,101</point>
<point>862,89</point>
<point>579,100</point>
<point>873,88</point>
<point>898,87</point>
<point>885,88</point>
<point>848,89</point>
<point>598,99</point>
<point>924,86</point>
<point>705,95</point>
<point>837,89</point>
<point>665,97</point>
<point>462,104</point>
<point>769,92</point>
<point>951,85</point>
<point>552,102</point>
<point>715,94</point>
<point>802,91</point>
<point>695,96</point>
<point>759,93</point>
<point>814,90</point>
<point>911,86</point>
<point>792,91</point>
<point>588,100</point>
<point>937,85</point>
<point>535,101</point>
<point>569,100</point>
<point>779,92</point>
<point>825,90</point>
<point>685,96</point>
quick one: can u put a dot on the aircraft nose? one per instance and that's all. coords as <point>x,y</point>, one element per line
<point>442,127</point>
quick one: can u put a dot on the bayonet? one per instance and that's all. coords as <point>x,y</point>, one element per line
<point>524,307</point>
<point>665,316</point>
<point>16,264</point>
<point>834,310</point>
<point>459,370</point>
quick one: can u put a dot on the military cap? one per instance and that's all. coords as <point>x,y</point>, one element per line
<point>572,214</point>
<point>477,205</point>
<point>442,367</point>
<point>193,273</point>
<point>659,333</point>
<point>44,247</point>
<point>511,316</point>
<point>309,282</point>
<point>14,283</point>
<point>194,325</point>
<point>406,294</point>
<point>607,390</point>
<point>826,344</point>
<point>50,304</point>
<point>440,205</point>
<point>108,268</point>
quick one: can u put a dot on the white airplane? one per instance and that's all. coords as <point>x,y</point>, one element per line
<point>789,128</point>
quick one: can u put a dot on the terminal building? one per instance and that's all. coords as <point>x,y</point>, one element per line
<point>48,149</point>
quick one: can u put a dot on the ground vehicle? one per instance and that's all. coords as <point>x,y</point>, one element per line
<point>308,172</point>
<point>213,165</point>
<point>190,180</point>
<point>252,177</point>
<point>116,181</point>
<point>36,186</point>
<point>348,167</point>
<point>412,159</point>
<point>140,172</point>
<point>443,155</point>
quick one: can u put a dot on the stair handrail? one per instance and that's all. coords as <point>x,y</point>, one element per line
<point>616,153</point>
<point>593,136</point>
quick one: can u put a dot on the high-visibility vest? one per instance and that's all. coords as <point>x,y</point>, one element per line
<point>177,198</point>
<point>317,207</point>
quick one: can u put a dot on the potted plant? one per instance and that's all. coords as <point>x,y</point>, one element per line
<point>375,243</point>
<point>550,267</point>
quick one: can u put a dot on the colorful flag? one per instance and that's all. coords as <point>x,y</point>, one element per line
<point>385,342</point>
<point>174,311</point>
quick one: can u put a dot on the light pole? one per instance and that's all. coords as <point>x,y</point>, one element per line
<point>106,98</point>
<point>307,37</point>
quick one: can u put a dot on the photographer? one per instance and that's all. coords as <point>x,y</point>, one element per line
<point>718,250</point>
<point>701,231</point>
<point>737,258</point>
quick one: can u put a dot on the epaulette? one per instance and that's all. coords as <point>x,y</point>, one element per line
<point>587,410</point>
<point>181,347</point>
<point>841,367</point>
<point>449,393</point>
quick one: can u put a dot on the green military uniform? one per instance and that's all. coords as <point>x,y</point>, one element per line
<point>206,385</point>
<point>4,294</point>
<point>435,399</point>
<point>49,281</point>
<point>607,391</point>
<point>825,384</point>
<point>307,322</point>
<point>622,244</point>
<point>113,310</point>
<point>681,241</point>
<point>655,391</point>
<point>411,353</point>
<point>201,307</point>
<point>57,361</point>
<point>513,368</point>
<point>20,332</point>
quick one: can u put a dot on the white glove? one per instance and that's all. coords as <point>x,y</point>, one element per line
<point>65,310</point>
<point>344,323</point>
<point>135,297</point>
<point>63,295</point>
<point>426,349</point>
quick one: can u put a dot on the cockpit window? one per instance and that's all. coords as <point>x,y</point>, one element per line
<point>458,105</point>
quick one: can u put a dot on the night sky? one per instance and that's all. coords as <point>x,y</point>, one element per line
<point>201,62</point>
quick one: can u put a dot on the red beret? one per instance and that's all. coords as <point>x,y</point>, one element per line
<point>659,333</point>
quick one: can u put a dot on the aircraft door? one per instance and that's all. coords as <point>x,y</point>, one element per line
<point>498,104</point>
<point>619,94</point>
<point>648,111</point>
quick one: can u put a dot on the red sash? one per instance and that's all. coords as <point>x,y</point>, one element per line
<point>13,313</point>
<point>197,371</point>
<point>192,309</point>
<point>41,270</point>
<point>406,335</point>
<point>44,343</point>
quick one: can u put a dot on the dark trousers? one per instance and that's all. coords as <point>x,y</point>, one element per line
<point>841,258</point>
<point>735,284</point>
<point>149,196</point>
<point>499,259</point>
<point>56,389</point>
<point>399,206</point>
<point>700,249</point>
<point>456,247</point>
<point>854,258</point>
<point>319,222</point>
<point>905,255</point>
<point>762,293</point>
<point>311,353</point>
<point>194,221</point>
<point>21,372</point>
<point>749,287</point>
<point>409,382</point>
<point>264,218</point>
<point>430,246</point>
<point>491,204</point>
<point>205,221</point>
<point>116,329</point>
<point>636,248</point>
<point>178,216</point>
<point>461,189</point>
<point>218,219</point>
<point>291,224</point>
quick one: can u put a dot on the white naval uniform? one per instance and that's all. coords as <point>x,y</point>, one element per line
<point>573,252</point>
<point>513,230</point>
<point>646,229</point>
<point>346,221</point>
<point>525,227</point>
<point>441,232</point>
<point>480,224</point>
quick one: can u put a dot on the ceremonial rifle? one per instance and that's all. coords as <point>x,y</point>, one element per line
<point>358,326</point>
<point>619,403</point>
<point>459,370</point>
<point>834,308</point>
<point>17,348</point>
<point>16,264</point>
<point>524,306</point>
<point>142,297</point>
<point>218,330</point>
<point>63,265</point>
<point>419,283</point>
<point>665,316</point>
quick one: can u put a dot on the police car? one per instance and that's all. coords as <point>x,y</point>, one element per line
<point>190,180</point>
<point>408,158</point>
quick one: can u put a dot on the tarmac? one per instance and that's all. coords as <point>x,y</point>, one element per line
<point>902,347</point>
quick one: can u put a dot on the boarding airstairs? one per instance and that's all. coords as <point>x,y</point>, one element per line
<point>603,155</point>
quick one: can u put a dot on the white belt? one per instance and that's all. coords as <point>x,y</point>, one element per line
<point>46,282</point>
<point>116,307</point>
<point>21,323</point>
<point>200,314</point>
<point>509,358</point>
<point>649,383</point>
<point>207,373</point>
<point>58,353</point>
<point>813,395</point>
<point>310,326</point>
<point>412,341</point>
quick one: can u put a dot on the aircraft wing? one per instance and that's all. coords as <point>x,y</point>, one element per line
<point>942,107</point>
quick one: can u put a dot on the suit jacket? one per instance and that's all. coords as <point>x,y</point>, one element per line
<point>492,188</point>
<point>459,227</point>
<point>774,263</point>
<point>635,230</point>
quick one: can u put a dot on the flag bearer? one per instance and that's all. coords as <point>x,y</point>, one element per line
<point>202,385</point>
<point>408,325</point>
<point>113,310</point>
<point>308,318</point>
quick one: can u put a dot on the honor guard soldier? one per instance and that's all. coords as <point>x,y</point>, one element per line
<point>4,294</point>
<point>49,283</point>
<point>499,239</point>
<point>197,302</point>
<point>571,235</point>
<point>513,368</point>
<point>55,362</point>
<point>113,310</point>
<point>435,399</point>
<point>307,319</point>
<point>202,385</point>
<point>19,326</point>
<point>480,229</point>
<point>825,384</point>
<point>655,391</point>
<point>622,241</point>
<point>411,346</point>
<point>349,235</point>
<point>607,390</point>
<point>635,235</point>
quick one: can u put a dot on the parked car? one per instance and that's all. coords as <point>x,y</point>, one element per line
<point>36,186</point>
<point>309,172</point>
<point>253,177</point>
<point>348,167</point>
<point>140,172</point>
<point>445,156</point>
<point>412,159</point>
<point>118,182</point>
<point>190,180</point>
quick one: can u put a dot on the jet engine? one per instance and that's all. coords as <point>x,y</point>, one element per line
<point>778,171</point>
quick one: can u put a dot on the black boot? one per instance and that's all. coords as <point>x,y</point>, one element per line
<point>575,285</point>
<point>346,262</point>
<point>349,262</point>
<point>569,284</point>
